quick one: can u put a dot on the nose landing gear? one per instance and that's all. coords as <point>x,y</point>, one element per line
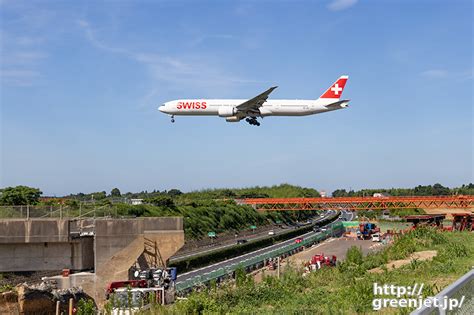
<point>172,119</point>
<point>252,121</point>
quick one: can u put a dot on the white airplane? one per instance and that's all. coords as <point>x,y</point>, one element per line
<point>234,110</point>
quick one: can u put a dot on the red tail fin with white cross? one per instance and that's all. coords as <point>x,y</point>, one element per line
<point>335,90</point>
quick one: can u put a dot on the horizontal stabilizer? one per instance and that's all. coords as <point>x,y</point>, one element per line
<point>338,105</point>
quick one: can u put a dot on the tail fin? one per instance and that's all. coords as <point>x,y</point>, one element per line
<point>335,90</point>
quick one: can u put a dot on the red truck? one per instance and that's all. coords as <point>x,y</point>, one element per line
<point>320,260</point>
<point>124,284</point>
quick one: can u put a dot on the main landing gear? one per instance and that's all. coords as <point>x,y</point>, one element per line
<point>252,121</point>
<point>172,119</point>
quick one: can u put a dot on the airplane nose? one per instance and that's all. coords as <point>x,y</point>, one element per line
<point>162,109</point>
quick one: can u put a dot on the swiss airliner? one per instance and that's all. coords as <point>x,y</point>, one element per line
<point>234,110</point>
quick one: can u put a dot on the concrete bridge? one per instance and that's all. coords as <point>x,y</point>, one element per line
<point>105,248</point>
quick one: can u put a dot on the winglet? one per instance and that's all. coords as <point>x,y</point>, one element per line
<point>335,90</point>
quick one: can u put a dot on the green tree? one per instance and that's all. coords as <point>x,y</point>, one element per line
<point>174,192</point>
<point>98,195</point>
<point>20,195</point>
<point>439,189</point>
<point>74,204</point>
<point>162,201</point>
<point>354,255</point>
<point>115,192</point>
<point>86,307</point>
<point>228,193</point>
<point>339,193</point>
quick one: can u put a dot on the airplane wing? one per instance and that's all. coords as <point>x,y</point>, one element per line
<point>255,103</point>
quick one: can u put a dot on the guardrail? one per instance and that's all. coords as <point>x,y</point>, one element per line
<point>228,271</point>
<point>461,290</point>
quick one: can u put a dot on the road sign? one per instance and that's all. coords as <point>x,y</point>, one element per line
<point>253,227</point>
<point>211,234</point>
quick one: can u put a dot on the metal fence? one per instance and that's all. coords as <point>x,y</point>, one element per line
<point>256,260</point>
<point>57,211</point>
<point>462,290</point>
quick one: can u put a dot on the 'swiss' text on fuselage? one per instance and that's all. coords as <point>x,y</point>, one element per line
<point>191,105</point>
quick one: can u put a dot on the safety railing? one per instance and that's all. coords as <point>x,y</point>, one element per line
<point>56,211</point>
<point>459,294</point>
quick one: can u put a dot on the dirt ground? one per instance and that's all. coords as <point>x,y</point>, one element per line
<point>333,246</point>
<point>420,256</point>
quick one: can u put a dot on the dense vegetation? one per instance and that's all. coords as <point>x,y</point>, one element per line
<point>280,191</point>
<point>277,191</point>
<point>427,190</point>
<point>204,216</point>
<point>19,195</point>
<point>347,289</point>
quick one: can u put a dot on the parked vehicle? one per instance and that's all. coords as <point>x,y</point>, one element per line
<point>366,230</point>
<point>111,287</point>
<point>319,261</point>
<point>271,232</point>
<point>298,240</point>
<point>126,301</point>
<point>240,242</point>
<point>376,237</point>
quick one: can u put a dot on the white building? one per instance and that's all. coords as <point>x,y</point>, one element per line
<point>136,201</point>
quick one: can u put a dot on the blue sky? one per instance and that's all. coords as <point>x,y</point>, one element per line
<point>81,83</point>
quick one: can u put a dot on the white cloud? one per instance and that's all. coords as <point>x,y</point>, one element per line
<point>435,73</point>
<point>203,38</point>
<point>20,57</point>
<point>90,36</point>
<point>17,77</point>
<point>444,74</point>
<point>338,5</point>
<point>190,71</point>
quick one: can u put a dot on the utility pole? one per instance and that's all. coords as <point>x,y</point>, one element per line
<point>278,267</point>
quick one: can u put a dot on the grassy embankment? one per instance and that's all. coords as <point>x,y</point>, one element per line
<point>347,289</point>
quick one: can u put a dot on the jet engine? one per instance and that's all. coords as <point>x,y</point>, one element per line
<point>226,111</point>
<point>233,119</point>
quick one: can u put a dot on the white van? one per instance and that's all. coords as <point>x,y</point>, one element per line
<point>376,237</point>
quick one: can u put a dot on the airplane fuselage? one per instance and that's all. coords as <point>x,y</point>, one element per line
<point>212,107</point>
<point>234,110</point>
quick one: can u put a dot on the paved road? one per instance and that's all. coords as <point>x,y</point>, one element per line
<point>229,243</point>
<point>347,215</point>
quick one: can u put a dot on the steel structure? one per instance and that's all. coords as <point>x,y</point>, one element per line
<point>359,203</point>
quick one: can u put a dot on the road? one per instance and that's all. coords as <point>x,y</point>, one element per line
<point>229,243</point>
<point>345,215</point>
